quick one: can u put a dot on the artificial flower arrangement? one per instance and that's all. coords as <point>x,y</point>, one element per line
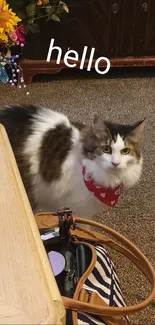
<point>17,18</point>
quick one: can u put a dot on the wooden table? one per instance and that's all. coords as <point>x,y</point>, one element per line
<point>28,291</point>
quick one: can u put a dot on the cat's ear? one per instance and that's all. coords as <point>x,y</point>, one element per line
<point>99,127</point>
<point>137,131</point>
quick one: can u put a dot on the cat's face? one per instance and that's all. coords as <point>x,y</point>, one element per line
<point>114,146</point>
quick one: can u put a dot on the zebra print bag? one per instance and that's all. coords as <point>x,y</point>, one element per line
<point>89,284</point>
<point>102,281</point>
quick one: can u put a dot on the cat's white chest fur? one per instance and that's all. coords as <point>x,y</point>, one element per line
<point>75,195</point>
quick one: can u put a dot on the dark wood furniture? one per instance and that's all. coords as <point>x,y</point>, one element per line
<point>121,30</point>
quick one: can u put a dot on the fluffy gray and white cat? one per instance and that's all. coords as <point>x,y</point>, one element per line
<point>52,153</point>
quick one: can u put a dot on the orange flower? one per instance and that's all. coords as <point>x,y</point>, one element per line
<point>8,20</point>
<point>45,2</point>
<point>42,2</point>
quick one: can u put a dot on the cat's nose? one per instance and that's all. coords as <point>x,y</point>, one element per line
<point>114,164</point>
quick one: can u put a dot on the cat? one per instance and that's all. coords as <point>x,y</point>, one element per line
<point>67,163</point>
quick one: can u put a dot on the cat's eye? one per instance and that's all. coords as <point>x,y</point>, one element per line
<point>125,151</point>
<point>106,149</point>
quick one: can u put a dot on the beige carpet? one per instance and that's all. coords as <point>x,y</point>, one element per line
<point>122,100</point>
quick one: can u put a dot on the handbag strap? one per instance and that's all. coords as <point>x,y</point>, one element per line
<point>127,248</point>
<point>94,237</point>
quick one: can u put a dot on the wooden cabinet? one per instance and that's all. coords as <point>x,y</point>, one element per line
<point>121,30</point>
<point>149,40</point>
<point>125,43</point>
<point>93,23</point>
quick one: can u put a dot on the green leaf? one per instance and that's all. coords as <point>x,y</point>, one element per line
<point>30,21</point>
<point>50,9</point>
<point>63,7</point>
<point>31,10</point>
<point>55,17</point>
<point>39,12</point>
<point>34,28</point>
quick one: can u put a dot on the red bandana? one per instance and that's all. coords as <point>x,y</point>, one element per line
<point>108,196</point>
